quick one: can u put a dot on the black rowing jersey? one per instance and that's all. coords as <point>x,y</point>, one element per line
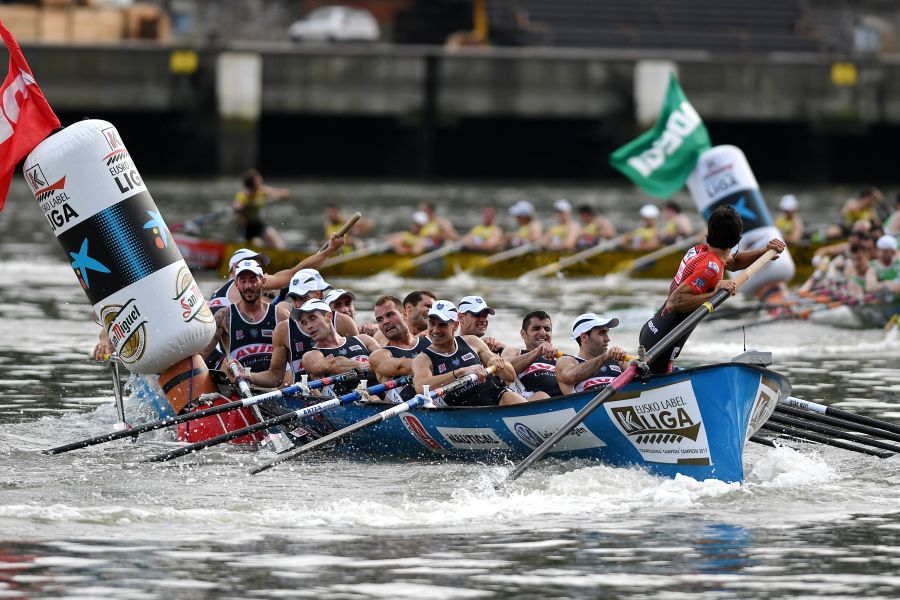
<point>470,394</point>
<point>408,391</point>
<point>540,376</point>
<point>353,348</point>
<point>602,377</point>
<point>251,343</point>
<point>219,298</point>
<point>298,344</point>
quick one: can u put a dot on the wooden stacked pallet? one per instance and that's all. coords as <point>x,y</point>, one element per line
<point>91,22</point>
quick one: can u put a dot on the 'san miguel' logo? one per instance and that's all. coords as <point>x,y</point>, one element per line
<point>187,294</point>
<point>126,326</point>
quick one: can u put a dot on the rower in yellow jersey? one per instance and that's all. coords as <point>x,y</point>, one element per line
<point>410,241</point>
<point>334,220</point>
<point>645,235</point>
<point>564,235</point>
<point>675,224</point>
<point>862,208</point>
<point>529,231</point>
<point>789,223</point>
<point>486,236</point>
<point>248,204</point>
<point>438,230</point>
<point>594,227</point>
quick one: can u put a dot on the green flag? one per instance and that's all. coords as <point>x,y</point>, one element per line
<point>661,159</point>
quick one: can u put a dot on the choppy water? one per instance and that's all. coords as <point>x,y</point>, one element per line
<point>98,523</point>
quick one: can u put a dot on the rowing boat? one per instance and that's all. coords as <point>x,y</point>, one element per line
<point>209,254</point>
<point>873,315</point>
<point>692,422</point>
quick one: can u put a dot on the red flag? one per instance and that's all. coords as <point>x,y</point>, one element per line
<point>25,117</point>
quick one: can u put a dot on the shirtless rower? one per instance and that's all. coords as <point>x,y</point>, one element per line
<point>535,365</point>
<point>245,329</point>
<point>395,358</point>
<point>333,353</point>
<point>450,357</point>
<point>473,320</point>
<point>596,364</point>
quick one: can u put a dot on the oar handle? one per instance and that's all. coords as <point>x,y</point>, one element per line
<point>347,226</point>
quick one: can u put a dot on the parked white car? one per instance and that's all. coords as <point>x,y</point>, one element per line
<point>336,24</point>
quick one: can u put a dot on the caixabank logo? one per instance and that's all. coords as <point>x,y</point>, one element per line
<point>664,425</point>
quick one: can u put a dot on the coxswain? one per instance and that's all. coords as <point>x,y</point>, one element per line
<point>535,365</point>
<point>333,353</point>
<point>474,319</point>
<point>788,222</point>
<point>594,227</point>
<point>562,237</point>
<point>486,236</point>
<point>529,230</point>
<point>699,276</point>
<point>450,357</point>
<point>597,363</point>
<point>395,357</point>
<point>245,329</point>
<point>341,301</point>
<point>248,204</point>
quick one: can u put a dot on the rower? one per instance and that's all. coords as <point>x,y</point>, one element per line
<point>789,223</point>
<point>473,320</point>
<point>596,364</point>
<point>594,227</point>
<point>395,358</point>
<point>887,265</point>
<point>437,230</point>
<point>564,235</point>
<point>341,301</point>
<point>675,224</point>
<point>415,310</point>
<point>333,353</point>
<point>308,284</point>
<point>486,236</point>
<point>529,231</point>
<point>645,236</point>
<point>450,357</point>
<point>334,221</point>
<point>535,365</point>
<point>245,329</point>
<point>411,241</point>
<point>248,204</point>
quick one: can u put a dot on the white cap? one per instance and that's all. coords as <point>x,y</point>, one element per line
<point>336,293</point>
<point>419,218</point>
<point>649,211</point>
<point>244,254</point>
<point>443,310</point>
<point>562,205</point>
<point>522,208</point>
<point>587,321</point>
<point>788,203</point>
<point>886,242</point>
<point>248,265</point>
<point>314,305</point>
<point>475,305</point>
<point>306,281</point>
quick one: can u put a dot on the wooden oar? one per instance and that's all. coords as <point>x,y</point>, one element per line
<point>340,259</point>
<point>629,266</point>
<point>482,263</point>
<point>628,374</point>
<point>281,419</point>
<point>408,264</point>
<point>293,390</point>
<point>403,407</point>
<point>567,261</point>
<point>347,226</point>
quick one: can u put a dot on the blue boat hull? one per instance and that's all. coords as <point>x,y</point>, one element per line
<point>693,422</point>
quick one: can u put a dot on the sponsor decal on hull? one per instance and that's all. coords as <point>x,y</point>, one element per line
<point>763,406</point>
<point>532,430</point>
<point>472,438</point>
<point>417,430</point>
<point>664,425</point>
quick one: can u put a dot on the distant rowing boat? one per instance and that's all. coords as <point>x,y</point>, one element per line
<point>213,255</point>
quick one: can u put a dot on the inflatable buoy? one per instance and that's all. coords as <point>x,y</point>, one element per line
<point>723,176</point>
<point>119,246</point>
